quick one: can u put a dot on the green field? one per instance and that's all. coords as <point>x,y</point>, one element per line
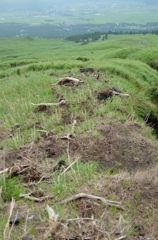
<point>84,15</point>
<point>61,21</point>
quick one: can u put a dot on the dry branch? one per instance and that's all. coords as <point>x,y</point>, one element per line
<point>50,104</point>
<point>69,167</point>
<point>81,219</point>
<point>84,195</point>
<point>41,199</point>
<point>4,171</point>
<point>120,238</point>
<point>10,213</point>
<point>120,94</point>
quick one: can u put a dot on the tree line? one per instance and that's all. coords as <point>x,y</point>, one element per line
<point>92,37</point>
<point>89,32</point>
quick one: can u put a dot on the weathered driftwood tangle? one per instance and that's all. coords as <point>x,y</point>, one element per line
<point>70,81</point>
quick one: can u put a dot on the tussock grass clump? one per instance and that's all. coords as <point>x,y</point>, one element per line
<point>11,188</point>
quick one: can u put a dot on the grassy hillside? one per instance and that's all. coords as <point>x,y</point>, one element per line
<point>109,146</point>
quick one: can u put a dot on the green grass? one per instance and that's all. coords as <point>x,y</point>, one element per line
<point>29,81</point>
<point>11,188</point>
<point>26,79</point>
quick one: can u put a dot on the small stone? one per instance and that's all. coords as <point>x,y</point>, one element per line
<point>15,219</point>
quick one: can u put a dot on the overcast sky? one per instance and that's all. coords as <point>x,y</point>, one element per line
<point>27,4</point>
<point>43,4</point>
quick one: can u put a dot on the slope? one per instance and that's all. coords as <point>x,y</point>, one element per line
<point>110,146</point>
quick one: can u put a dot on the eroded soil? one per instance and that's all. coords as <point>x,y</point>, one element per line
<point>121,149</point>
<point>120,145</point>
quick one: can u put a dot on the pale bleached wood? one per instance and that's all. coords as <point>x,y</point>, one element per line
<point>120,94</point>
<point>4,171</point>
<point>49,104</point>
<point>84,195</point>
<point>41,199</point>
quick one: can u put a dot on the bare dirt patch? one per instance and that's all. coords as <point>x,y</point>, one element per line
<point>121,147</point>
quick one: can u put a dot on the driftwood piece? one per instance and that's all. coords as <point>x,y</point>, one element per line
<point>50,104</point>
<point>68,81</point>
<point>84,195</point>
<point>4,171</point>
<point>120,94</point>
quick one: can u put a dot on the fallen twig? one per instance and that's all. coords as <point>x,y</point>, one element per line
<point>70,166</point>
<point>41,199</point>
<point>120,238</point>
<point>153,207</point>
<point>50,104</point>
<point>84,195</point>
<point>120,94</point>
<point>4,171</point>
<point>73,125</point>
<point>10,213</point>
<point>81,219</point>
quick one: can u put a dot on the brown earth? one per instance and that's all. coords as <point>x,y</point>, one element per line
<point>121,149</point>
<point>120,145</point>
